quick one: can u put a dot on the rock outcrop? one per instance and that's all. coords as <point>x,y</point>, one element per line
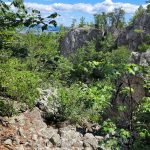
<point>134,34</point>
<point>28,131</point>
<point>142,59</point>
<point>76,38</point>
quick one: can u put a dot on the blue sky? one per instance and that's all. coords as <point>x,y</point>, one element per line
<point>69,9</point>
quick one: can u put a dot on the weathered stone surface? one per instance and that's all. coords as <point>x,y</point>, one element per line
<point>141,58</point>
<point>8,142</point>
<point>70,138</point>
<point>99,138</point>
<point>76,38</point>
<point>28,131</point>
<point>20,147</point>
<point>56,140</point>
<point>90,141</point>
<point>131,37</point>
<point>48,132</point>
<point>43,102</point>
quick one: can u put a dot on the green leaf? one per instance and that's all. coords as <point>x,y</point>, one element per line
<point>53,22</point>
<point>54,15</point>
<point>44,27</point>
<point>35,11</point>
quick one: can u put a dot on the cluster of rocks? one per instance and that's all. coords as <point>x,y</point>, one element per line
<point>76,38</point>
<point>134,34</point>
<point>142,59</point>
<point>28,131</point>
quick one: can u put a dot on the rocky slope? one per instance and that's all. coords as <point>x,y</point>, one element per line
<point>131,36</point>
<point>141,58</point>
<point>76,38</point>
<point>134,34</point>
<point>28,131</point>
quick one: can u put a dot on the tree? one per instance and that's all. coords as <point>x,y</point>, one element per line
<point>100,21</point>
<point>10,20</point>
<point>91,24</point>
<point>148,6</point>
<point>116,18</point>
<point>74,21</point>
<point>22,16</point>
<point>139,12</point>
<point>82,22</point>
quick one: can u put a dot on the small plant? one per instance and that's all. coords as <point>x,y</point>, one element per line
<point>139,31</point>
<point>6,108</point>
<point>81,101</point>
<point>17,83</point>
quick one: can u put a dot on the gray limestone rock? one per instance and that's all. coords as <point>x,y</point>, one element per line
<point>8,142</point>
<point>134,34</point>
<point>140,58</point>
<point>90,141</point>
<point>76,38</point>
<point>56,140</point>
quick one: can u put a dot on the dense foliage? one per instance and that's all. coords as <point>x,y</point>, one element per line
<point>94,84</point>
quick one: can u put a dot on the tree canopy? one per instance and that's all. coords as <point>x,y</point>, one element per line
<point>14,14</point>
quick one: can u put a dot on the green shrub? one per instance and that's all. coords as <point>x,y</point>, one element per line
<point>81,101</point>
<point>90,64</point>
<point>62,70</point>
<point>18,83</point>
<point>6,108</point>
<point>145,44</point>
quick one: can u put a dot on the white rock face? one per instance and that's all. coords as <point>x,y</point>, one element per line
<point>133,35</point>
<point>28,131</point>
<point>76,38</point>
<point>141,58</point>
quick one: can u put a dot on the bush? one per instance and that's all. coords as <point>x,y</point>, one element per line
<point>90,64</point>
<point>62,71</point>
<point>18,83</point>
<point>145,44</point>
<point>6,108</point>
<point>81,101</point>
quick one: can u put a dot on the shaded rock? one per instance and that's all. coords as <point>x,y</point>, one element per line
<point>20,147</point>
<point>56,140</point>
<point>99,138</point>
<point>43,102</point>
<point>145,58</point>
<point>90,141</point>
<point>141,58</point>
<point>20,107</point>
<point>76,38</point>
<point>35,137</point>
<point>70,138</point>
<point>8,142</point>
<point>3,122</point>
<point>134,34</point>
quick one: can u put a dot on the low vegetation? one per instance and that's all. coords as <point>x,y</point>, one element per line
<point>86,82</point>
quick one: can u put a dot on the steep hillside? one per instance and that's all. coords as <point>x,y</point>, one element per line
<point>76,38</point>
<point>134,34</point>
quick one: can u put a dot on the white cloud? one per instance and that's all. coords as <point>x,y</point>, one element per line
<point>106,6</point>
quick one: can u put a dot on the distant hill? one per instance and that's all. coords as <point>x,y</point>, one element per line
<point>37,29</point>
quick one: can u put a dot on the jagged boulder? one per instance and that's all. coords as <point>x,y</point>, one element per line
<point>141,58</point>
<point>134,34</point>
<point>28,131</point>
<point>76,38</point>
